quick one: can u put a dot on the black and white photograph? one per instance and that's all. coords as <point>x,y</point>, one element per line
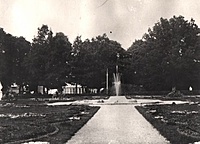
<point>99,72</point>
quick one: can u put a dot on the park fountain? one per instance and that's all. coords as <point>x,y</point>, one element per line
<point>117,82</point>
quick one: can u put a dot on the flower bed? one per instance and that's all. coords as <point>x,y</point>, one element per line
<point>54,124</point>
<point>178,123</point>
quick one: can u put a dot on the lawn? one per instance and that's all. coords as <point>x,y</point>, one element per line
<point>178,123</point>
<point>27,120</point>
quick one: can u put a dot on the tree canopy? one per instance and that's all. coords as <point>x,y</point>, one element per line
<point>13,51</point>
<point>167,56</point>
<point>91,59</point>
<point>48,59</point>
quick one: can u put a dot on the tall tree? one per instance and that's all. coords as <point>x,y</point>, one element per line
<point>3,62</point>
<point>58,65</point>
<point>13,50</point>
<point>22,48</point>
<point>169,54</point>
<point>37,57</point>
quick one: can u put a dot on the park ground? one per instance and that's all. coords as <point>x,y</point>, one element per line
<point>179,123</point>
<point>31,120</point>
<point>38,121</point>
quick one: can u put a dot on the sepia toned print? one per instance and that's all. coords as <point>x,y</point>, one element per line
<point>99,71</point>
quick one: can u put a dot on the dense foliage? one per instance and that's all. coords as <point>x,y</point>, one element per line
<point>167,56</point>
<point>92,58</point>
<point>13,51</point>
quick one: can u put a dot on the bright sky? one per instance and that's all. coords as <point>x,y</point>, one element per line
<point>127,19</point>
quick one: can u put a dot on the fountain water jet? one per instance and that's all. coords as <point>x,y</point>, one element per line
<point>117,82</point>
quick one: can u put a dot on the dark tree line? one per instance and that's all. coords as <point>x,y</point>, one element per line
<point>167,56</point>
<point>51,60</point>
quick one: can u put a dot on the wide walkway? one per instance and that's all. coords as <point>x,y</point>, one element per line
<point>117,124</point>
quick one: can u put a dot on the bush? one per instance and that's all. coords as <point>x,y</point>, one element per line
<point>175,94</point>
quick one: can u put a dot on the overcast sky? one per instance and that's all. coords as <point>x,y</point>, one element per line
<point>126,19</point>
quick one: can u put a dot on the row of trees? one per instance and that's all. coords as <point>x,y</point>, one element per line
<point>167,56</point>
<point>51,61</point>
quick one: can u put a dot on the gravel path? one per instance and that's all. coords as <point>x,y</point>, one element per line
<point>118,124</point>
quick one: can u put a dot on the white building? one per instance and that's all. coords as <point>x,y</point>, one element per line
<point>73,89</point>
